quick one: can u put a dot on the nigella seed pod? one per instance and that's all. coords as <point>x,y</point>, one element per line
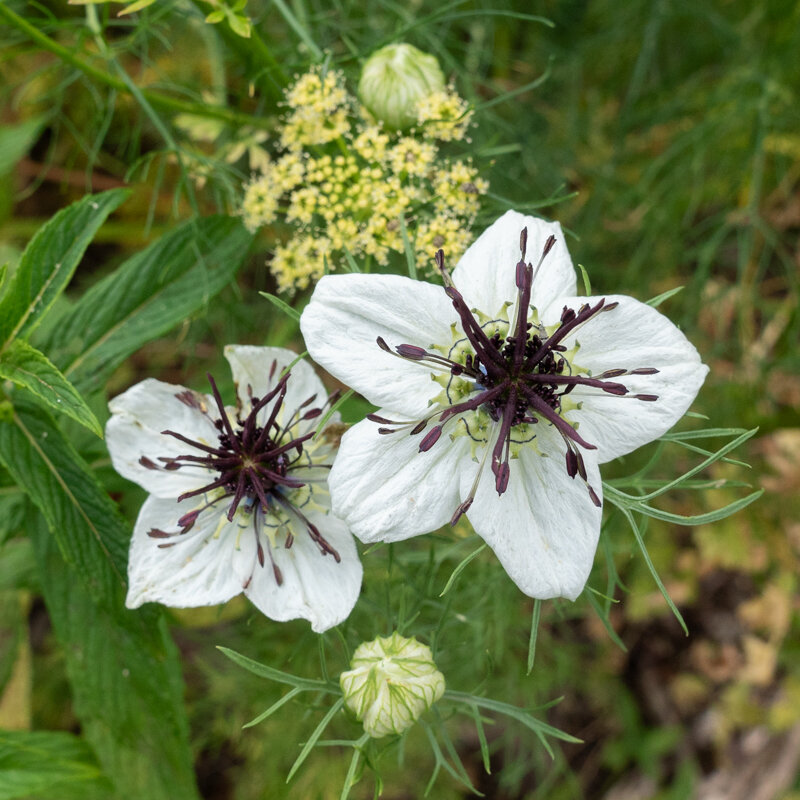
<point>394,79</point>
<point>393,681</point>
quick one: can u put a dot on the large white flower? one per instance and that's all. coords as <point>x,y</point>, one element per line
<point>532,387</point>
<point>238,496</point>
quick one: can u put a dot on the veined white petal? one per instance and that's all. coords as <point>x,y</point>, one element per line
<point>486,273</point>
<point>632,336</point>
<point>254,375</point>
<point>207,565</point>
<point>314,586</point>
<point>347,313</point>
<point>544,528</point>
<point>386,490</point>
<point>134,431</point>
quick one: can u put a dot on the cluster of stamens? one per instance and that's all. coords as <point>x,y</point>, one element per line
<point>253,463</point>
<point>519,379</point>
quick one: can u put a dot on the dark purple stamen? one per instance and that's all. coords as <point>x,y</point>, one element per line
<point>519,379</point>
<point>251,463</point>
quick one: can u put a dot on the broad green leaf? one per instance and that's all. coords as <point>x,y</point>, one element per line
<point>90,532</point>
<point>49,261</point>
<point>13,632</point>
<point>46,763</point>
<point>124,671</point>
<point>122,665</point>
<point>13,508</point>
<point>17,566</point>
<point>147,296</point>
<point>27,367</point>
<point>16,141</point>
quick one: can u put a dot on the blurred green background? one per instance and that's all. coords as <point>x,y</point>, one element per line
<point>665,136</point>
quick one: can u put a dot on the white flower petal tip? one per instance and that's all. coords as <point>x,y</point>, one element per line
<point>500,394</point>
<point>543,529</point>
<point>239,500</point>
<point>485,275</point>
<point>319,587</point>
<point>391,683</point>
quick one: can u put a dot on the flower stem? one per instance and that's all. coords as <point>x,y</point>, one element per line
<point>156,99</point>
<point>255,51</point>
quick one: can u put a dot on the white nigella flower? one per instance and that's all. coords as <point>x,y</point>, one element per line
<point>238,496</point>
<point>532,387</point>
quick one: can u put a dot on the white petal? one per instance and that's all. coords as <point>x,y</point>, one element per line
<point>134,430</point>
<point>314,586</point>
<point>200,569</point>
<point>544,528</point>
<point>256,371</point>
<point>386,490</point>
<point>486,273</point>
<point>632,336</point>
<point>347,313</point>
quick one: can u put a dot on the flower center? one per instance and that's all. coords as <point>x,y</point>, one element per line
<point>253,467</point>
<point>506,376</point>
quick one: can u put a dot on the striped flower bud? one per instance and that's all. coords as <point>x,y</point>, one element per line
<point>392,682</point>
<point>394,79</point>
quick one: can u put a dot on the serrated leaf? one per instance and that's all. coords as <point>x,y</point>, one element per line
<point>122,665</point>
<point>27,367</point>
<point>90,532</point>
<point>126,683</point>
<point>37,762</point>
<point>17,140</point>
<point>49,261</point>
<point>148,295</point>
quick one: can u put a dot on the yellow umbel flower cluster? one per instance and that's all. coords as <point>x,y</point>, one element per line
<point>319,106</point>
<point>444,115</point>
<point>350,188</point>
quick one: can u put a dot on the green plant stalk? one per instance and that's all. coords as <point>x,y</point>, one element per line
<point>254,48</point>
<point>154,98</point>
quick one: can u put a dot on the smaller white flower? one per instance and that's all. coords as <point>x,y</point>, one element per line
<point>393,681</point>
<point>238,496</point>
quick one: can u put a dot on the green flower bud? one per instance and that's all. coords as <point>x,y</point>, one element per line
<point>391,683</point>
<point>394,79</point>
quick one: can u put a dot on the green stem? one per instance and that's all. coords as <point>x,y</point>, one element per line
<point>154,98</point>
<point>298,28</point>
<point>254,49</point>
